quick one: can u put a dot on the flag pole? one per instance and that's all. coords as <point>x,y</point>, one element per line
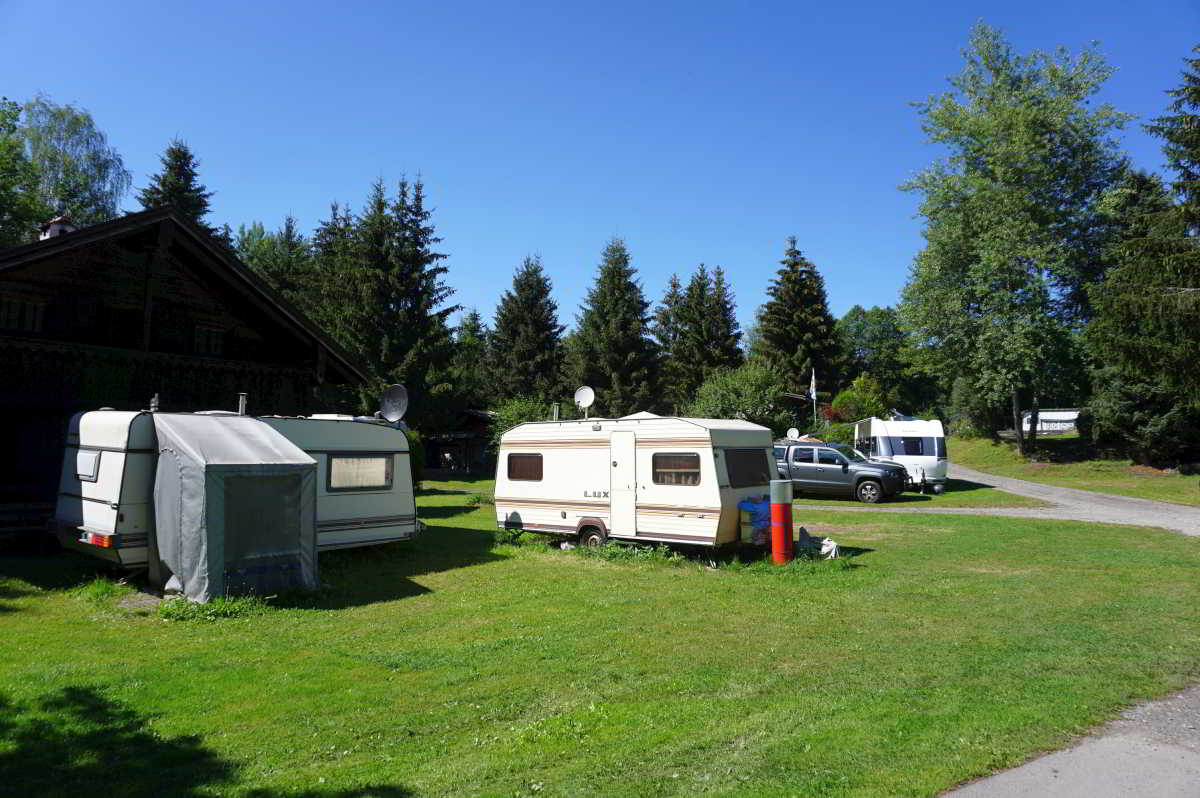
<point>812,391</point>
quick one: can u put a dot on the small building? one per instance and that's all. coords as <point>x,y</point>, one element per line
<point>141,306</point>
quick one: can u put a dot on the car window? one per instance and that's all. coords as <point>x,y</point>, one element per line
<point>802,455</point>
<point>851,454</point>
<point>829,457</point>
<point>780,452</point>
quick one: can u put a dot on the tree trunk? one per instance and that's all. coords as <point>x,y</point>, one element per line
<point>1016,413</point>
<point>1033,423</point>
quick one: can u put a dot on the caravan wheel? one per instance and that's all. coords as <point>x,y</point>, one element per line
<point>591,536</point>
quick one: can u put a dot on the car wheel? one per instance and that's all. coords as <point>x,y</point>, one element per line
<point>592,536</point>
<point>869,491</point>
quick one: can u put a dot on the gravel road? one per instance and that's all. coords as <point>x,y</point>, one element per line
<point>1066,504</point>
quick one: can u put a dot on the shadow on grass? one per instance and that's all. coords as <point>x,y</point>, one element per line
<point>952,486</point>
<point>76,741</point>
<point>445,511</point>
<point>58,571</point>
<point>373,574</point>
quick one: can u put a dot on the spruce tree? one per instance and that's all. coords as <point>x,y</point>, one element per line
<point>178,186</point>
<point>283,259</point>
<point>796,333</point>
<point>613,352</point>
<point>527,340</point>
<point>726,350</point>
<point>471,373</point>
<point>667,331</point>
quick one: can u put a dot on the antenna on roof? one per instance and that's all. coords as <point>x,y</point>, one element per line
<point>584,397</point>
<point>394,403</point>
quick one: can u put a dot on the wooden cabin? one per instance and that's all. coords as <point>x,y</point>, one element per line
<point>117,313</point>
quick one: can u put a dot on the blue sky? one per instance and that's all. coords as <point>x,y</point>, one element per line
<point>698,132</point>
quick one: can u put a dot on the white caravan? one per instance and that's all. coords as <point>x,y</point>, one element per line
<point>642,477</point>
<point>918,445</point>
<point>106,490</point>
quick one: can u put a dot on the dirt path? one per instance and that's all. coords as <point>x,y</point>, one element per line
<point>1067,504</point>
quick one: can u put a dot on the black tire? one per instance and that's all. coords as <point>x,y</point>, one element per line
<point>869,492</point>
<point>592,536</point>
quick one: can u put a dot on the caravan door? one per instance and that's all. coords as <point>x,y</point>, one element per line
<point>622,448</point>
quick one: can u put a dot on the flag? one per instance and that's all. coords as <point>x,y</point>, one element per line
<point>812,385</point>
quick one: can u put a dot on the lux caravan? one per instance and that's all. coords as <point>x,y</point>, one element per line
<point>641,478</point>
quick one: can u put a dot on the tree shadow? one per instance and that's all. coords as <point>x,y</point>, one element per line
<point>952,486</point>
<point>76,741</point>
<point>446,511</point>
<point>58,571</point>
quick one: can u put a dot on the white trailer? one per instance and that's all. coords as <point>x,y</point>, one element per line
<point>642,477</point>
<point>918,445</point>
<point>364,493</point>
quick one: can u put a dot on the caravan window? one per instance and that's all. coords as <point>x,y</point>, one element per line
<point>676,469</point>
<point>747,467</point>
<point>940,443</point>
<point>525,467</point>
<point>87,464</point>
<point>360,472</point>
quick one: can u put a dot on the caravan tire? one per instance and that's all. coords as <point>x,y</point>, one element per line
<point>592,536</point>
<point>869,491</point>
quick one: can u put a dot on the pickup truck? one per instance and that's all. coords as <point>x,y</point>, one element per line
<point>836,470</point>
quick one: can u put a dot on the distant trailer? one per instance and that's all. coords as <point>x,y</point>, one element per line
<point>916,444</point>
<point>364,490</point>
<point>642,478</point>
<point>1051,420</point>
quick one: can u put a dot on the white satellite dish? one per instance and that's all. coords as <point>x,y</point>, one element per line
<point>793,434</point>
<point>584,397</point>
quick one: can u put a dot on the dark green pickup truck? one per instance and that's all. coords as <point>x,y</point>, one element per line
<point>833,469</point>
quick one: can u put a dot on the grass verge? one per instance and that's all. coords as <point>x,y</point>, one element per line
<point>1068,462</point>
<point>452,665</point>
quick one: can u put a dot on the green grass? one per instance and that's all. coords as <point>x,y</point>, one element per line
<point>959,493</point>
<point>454,665</point>
<point>1068,462</point>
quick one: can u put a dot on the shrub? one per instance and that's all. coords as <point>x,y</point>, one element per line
<point>1084,423</point>
<point>416,457</point>
<point>863,399</point>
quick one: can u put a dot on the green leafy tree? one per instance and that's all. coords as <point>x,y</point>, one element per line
<point>178,186</point>
<point>613,352</point>
<point>21,210</point>
<point>1001,283</point>
<point>796,332</point>
<point>526,344</point>
<point>513,411</point>
<point>752,392</point>
<point>79,174</point>
<point>866,397</point>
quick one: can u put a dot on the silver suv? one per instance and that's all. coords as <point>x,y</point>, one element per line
<point>833,469</point>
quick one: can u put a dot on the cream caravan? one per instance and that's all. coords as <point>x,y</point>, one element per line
<point>642,477</point>
<point>916,444</point>
<point>364,491</point>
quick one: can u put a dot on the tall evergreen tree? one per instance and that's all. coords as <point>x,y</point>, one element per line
<point>706,334</point>
<point>726,332</point>
<point>796,332</point>
<point>527,339</point>
<point>613,352</point>
<point>282,258</point>
<point>178,186</point>
<point>471,372</point>
<point>667,329</point>
<point>1147,327</point>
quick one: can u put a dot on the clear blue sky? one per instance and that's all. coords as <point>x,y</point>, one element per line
<point>699,132</point>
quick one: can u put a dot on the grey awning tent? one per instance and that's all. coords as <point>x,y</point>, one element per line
<point>234,506</point>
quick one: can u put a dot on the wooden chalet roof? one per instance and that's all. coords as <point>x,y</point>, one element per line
<point>220,258</point>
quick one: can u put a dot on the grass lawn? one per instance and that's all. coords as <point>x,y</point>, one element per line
<point>453,665</point>
<point>1066,461</point>
<point>959,493</point>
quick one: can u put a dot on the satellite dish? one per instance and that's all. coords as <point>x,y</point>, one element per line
<point>793,434</point>
<point>584,397</point>
<point>393,403</point>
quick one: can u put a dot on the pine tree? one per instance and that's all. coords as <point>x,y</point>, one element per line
<point>726,350</point>
<point>283,259</point>
<point>667,331</point>
<point>613,352</point>
<point>1147,327</point>
<point>527,340</point>
<point>796,333</point>
<point>471,372</point>
<point>178,186</point>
